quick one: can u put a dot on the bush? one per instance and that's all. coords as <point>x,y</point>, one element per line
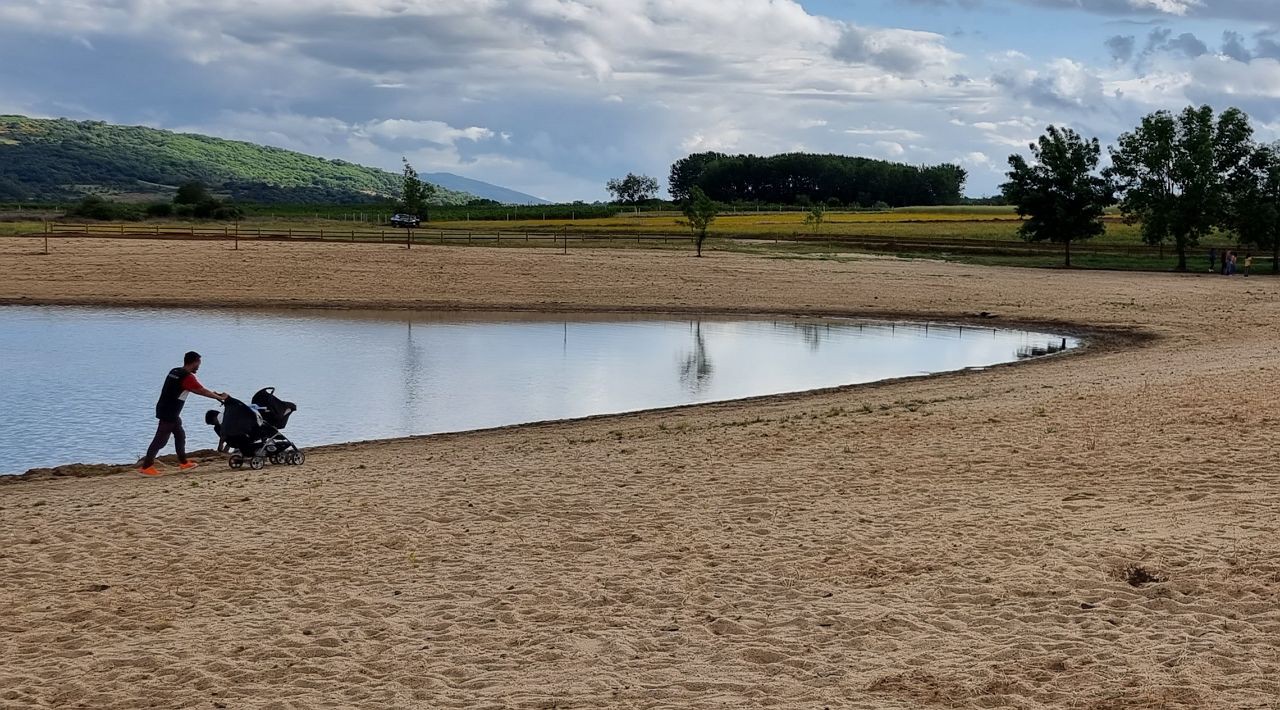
<point>160,209</point>
<point>94,207</point>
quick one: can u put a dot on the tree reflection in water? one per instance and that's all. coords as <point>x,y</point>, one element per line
<point>695,369</point>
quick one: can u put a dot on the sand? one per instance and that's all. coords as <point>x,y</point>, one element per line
<point>1092,531</point>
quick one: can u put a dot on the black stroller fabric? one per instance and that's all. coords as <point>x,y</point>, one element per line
<point>275,411</point>
<point>240,426</point>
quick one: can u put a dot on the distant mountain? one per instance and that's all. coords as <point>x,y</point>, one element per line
<point>483,189</point>
<point>57,159</point>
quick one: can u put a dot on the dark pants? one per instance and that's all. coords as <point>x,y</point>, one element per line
<point>161,439</point>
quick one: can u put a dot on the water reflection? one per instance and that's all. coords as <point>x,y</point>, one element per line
<point>366,375</point>
<point>695,369</point>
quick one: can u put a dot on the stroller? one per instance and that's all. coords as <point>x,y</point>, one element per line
<point>252,431</point>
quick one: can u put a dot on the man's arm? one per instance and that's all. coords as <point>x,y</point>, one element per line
<point>191,384</point>
<point>220,396</point>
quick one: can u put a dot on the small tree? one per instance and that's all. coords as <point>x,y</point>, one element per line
<point>413,194</point>
<point>700,212</point>
<point>816,216</point>
<point>633,188</point>
<point>1058,195</point>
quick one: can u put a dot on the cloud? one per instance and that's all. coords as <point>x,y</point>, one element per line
<point>553,97</point>
<point>901,52</point>
<point>1122,47</point>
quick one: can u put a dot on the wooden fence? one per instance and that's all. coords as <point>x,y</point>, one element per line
<point>561,237</point>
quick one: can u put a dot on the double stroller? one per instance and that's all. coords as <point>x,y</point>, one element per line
<point>251,432</point>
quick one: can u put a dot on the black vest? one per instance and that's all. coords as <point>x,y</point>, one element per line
<point>172,396</point>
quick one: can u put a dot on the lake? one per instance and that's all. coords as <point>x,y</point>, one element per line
<point>80,384</point>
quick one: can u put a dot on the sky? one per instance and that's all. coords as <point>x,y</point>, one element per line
<point>554,97</point>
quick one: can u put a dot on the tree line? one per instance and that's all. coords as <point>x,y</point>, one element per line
<point>1180,176</point>
<point>807,178</point>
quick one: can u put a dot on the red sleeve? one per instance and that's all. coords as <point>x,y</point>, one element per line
<point>191,384</point>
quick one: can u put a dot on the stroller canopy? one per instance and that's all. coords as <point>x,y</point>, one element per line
<point>275,411</point>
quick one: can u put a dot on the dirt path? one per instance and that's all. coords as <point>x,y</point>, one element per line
<point>973,540</point>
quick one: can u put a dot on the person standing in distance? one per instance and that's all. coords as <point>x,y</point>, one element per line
<point>173,394</point>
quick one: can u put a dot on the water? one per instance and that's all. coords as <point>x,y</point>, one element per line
<point>80,384</point>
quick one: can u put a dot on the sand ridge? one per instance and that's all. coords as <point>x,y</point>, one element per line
<point>962,541</point>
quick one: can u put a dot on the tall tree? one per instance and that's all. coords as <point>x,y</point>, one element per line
<point>1253,202</point>
<point>1058,194</point>
<point>686,171</point>
<point>633,188</point>
<point>1172,173</point>
<point>700,212</point>
<point>415,193</point>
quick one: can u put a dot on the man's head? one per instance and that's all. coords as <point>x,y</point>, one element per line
<point>191,361</point>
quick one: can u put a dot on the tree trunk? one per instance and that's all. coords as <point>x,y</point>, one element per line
<point>1067,244</point>
<point>1182,253</point>
<point>698,243</point>
<point>1275,253</point>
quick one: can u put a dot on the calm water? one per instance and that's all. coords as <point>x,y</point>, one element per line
<point>80,384</point>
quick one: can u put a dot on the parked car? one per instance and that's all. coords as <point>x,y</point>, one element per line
<point>404,220</point>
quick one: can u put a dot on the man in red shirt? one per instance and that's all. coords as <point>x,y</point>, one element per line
<point>173,395</point>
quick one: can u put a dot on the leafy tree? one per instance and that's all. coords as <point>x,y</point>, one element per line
<point>686,172</point>
<point>816,216</point>
<point>699,212</point>
<point>1172,173</point>
<point>1058,194</point>
<point>1253,204</point>
<point>633,188</point>
<point>192,192</point>
<point>413,193</point>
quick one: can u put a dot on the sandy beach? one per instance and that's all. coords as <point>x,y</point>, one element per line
<point>1097,530</point>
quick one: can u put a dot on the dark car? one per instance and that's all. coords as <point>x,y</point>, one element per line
<point>404,220</point>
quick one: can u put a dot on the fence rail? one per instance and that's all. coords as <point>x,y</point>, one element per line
<point>486,234</point>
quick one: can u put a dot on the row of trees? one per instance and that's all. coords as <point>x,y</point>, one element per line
<point>1180,176</point>
<point>807,178</point>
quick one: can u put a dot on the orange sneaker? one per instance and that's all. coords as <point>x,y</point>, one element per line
<point>149,471</point>
<point>188,465</point>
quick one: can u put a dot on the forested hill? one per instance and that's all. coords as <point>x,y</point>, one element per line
<point>804,178</point>
<point>55,159</point>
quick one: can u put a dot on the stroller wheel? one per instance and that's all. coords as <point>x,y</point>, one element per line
<point>236,461</point>
<point>256,463</point>
<point>274,459</point>
<point>295,458</point>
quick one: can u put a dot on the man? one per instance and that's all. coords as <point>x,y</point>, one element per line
<point>173,395</point>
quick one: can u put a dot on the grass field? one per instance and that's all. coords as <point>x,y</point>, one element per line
<point>785,235</point>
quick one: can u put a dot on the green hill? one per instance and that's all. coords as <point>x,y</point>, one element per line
<point>58,159</point>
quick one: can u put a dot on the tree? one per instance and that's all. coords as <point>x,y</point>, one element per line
<point>1253,202</point>
<point>633,188</point>
<point>192,192</point>
<point>700,212</point>
<point>413,193</point>
<point>1172,173</point>
<point>686,172</point>
<point>1058,195</point>
<point>816,216</point>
